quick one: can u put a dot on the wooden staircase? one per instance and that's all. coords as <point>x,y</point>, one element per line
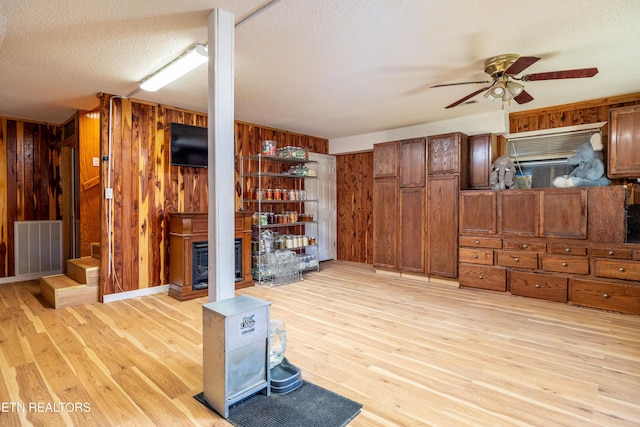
<point>80,284</point>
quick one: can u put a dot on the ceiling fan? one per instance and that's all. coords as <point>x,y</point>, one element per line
<point>503,70</point>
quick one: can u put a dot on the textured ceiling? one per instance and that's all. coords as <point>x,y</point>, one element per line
<point>328,68</point>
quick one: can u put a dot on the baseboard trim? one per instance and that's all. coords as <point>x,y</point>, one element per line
<point>27,277</point>
<point>135,293</point>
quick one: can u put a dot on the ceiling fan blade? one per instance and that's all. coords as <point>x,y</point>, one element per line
<point>520,65</point>
<point>523,98</point>
<point>460,101</point>
<point>566,74</point>
<point>463,83</point>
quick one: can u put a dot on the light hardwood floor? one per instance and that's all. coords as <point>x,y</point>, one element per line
<point>413,353</point>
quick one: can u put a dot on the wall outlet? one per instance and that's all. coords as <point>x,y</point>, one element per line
<point>96,161</point>
<point>108,193</point>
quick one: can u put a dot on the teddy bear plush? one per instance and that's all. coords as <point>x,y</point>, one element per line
<point>590,167</point>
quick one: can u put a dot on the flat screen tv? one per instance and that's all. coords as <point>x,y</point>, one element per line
<point>189,145</point>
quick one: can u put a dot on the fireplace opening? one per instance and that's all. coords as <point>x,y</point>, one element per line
<point>200,268</point>
<point>200,265</point>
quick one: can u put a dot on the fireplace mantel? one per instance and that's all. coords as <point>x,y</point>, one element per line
<point>185,228</point>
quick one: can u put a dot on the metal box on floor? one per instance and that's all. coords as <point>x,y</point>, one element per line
<point>235,350</point>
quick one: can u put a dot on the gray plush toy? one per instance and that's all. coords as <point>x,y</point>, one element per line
<point>501,176</point>
<point>590,167</point>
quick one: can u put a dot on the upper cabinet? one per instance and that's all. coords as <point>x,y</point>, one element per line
<point>624,142</point>
<point>446,153</point>
<point>482,149</point>
<point>385,160</point>
<point>413,167</point>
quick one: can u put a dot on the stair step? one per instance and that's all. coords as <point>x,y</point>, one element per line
<point>95,250</point>
<point>85,270</point>
<point>62,291</point>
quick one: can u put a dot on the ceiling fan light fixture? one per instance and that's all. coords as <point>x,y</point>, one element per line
<point>498,90</point>
<point>174,70</point>
<point>514,88</point>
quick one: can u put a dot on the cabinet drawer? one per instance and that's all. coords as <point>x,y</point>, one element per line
<point>482,277</point>
<point>574,265</point>
<point>476,256</point>
<point>518,259</point>
<point>612,253</point>
<point>627,270</point>
<point>539,286</point>
<point>608,296</point>
<point>481,242</point>
<point>524,245</point>
<point>567,250</point>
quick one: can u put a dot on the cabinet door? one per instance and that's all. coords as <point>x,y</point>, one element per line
<point>412,226</point>
<point>444,153</point>
<point>478,212</point>
<point>606,214</point>
<point>385,222</point>
<point>480,158</point>
<point>413,168</point>
<point>442,220</point>
<point>518,212</point>
<point>624,134</point>
<point>563,213</point>
<point>385,160</point>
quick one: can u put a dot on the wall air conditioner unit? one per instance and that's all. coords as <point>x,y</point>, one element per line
<point>541,155</point>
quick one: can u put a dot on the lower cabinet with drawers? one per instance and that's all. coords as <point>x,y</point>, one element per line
<point>581,271</point>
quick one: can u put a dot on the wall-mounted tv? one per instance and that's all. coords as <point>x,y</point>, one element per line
<point>189,145</point>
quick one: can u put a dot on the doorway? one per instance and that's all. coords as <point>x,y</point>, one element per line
<point>326,199</point>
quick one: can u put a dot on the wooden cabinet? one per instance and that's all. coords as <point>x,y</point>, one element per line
<point>399,204</point>
<point>413,160</point>
<point>518,212</point>
<point>385,160</point>
<point>385,222</point>
<point>442,219</point>
<point>563,213</point>
<point>624,140</point>
<point>543,246</point>
<point>478,212</point>
<point>412,229</point>
<point>481,155</point>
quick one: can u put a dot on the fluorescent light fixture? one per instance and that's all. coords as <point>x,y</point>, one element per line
<point>191,59</point>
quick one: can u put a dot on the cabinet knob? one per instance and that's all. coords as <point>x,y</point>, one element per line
<point>516,259</point>
<point>475,256</point>
<point>621,269</point>
<point>612,253</point>
<point>477,242</point>
<point>567,250</point>
<point>525,246</point>
<point>606,295</point>
<point>564,264</point>
<point>480,276</point>
<point>538,285</point>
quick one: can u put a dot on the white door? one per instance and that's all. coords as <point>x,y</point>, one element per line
<point>325,186</point>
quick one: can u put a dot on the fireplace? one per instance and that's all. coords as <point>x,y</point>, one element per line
<point>189,254</point>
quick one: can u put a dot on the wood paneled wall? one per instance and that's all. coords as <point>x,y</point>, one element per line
<point>147,189</point>
<point>354,183</point>
<point>89,179</point>
<point>30,183</point>
<point>593,111</point>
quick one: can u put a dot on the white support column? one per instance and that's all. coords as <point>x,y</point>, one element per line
<point>221,157</point>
